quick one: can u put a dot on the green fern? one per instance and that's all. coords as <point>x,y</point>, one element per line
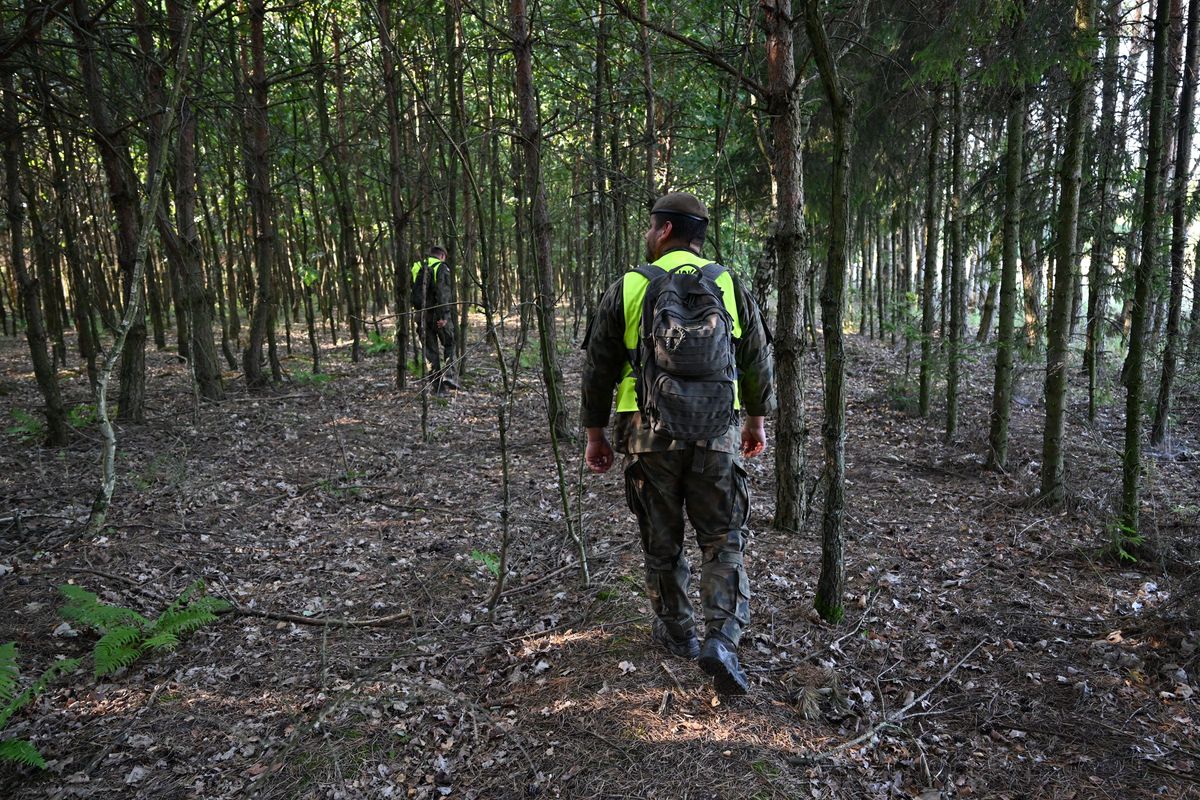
<point>88,610</point>
<point>116,649</point>
<point>127,635</point>
<point>8,672</point>
<point>19,750</point>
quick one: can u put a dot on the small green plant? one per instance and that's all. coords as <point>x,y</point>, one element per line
<point>900,397</point>
<point>163,468</point>
<point>1122,539</point>
<point>378,343</point>
<point>27,427</point>
<point>22,751</point>
<point>489,560</point>
<point>82,415</point>
<point>303,377</point>
<point>343,485</point>
<point>126,635</point>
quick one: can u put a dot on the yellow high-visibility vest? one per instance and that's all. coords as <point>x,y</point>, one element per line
<point>633,293</point>
<point>430,261</point>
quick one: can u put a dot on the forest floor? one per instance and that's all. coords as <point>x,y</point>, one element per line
<point>989,648</point>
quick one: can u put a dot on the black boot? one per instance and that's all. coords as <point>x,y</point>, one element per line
<point>688,647</point>
<point>719,659</point>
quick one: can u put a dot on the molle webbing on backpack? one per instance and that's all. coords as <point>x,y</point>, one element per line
<point>633,288</point>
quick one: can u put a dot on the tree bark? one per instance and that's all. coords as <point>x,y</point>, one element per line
<point>1103,236</point>
<point>831,584</point>
<point>198,300</point>
<point>111,142</point>
<point>957,280</point>
<point>544,295</point>
<point>397,216</point>
<point>1131,374</point>
<point>928,265</point>
<point>259,190</point>
<point>57,429</point>
<point>1178,228</point>
<point>1053,489</point>
<point>787,242</point>
<point>1006,342</point>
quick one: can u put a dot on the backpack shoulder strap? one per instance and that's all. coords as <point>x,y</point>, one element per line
<point>712,270</point>
<point>649,271</point>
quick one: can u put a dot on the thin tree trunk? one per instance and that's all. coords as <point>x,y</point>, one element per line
<point>544,295</point>
<point>932,218</point>
<point>1131,374</point>
<point>1053,489</point>
<point>956,267</point>
<point>259,189</point>
<point>1178,228</point>
<point>398,216</point>
<point>783,107</point>
<point>108,474</point>
<point>57,430</point>
<point>111,142</point>
<point>831,584</point>
<point>1102,241</point>
<point>1006,324</point>
<point>648,85</point>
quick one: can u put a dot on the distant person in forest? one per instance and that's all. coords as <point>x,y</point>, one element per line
<point>684,346</point>
<point>432,301</point>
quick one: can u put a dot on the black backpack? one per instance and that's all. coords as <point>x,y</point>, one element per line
<point>685,359</point>
<point>422,288</point>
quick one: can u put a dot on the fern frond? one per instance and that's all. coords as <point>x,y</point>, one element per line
<point>21,752</point>
<point>87,609</point>
<point>39,686</point>
<point>183,621</point>
<point>161,641</point>
<point>8,672</point>
<point>116,649</point>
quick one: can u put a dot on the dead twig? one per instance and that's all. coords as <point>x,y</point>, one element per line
<point>299,619</point>
<point>890,721</point>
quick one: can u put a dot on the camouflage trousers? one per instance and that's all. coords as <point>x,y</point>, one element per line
<point>431,337</point>
<point>712,487</point>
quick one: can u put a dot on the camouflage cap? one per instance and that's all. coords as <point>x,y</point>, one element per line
<point>681,203</point>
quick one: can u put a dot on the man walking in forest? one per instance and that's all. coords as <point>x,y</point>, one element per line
<point>684,346</point>
<point>432,287</point>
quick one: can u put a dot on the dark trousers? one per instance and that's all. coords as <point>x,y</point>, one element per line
<point>431,337</point>
<point>711,487</point>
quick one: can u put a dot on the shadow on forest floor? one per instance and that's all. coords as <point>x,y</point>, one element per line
<point>1028,667</point>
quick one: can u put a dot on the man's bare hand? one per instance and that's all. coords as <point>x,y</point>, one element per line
<point>599,454</point>
<point>754,437</point>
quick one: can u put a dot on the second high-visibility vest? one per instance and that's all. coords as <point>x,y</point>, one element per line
<point>633,292</point>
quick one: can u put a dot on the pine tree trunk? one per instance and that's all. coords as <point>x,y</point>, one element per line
<point>259,190</point>
<point>956,268</point>
<point>1103,236</point>
<point>1178,229</point>
<point>544,295</point>
<point>57,430</point>
<point>111,142</point>
<point>932,218</point>
<point>398,216</point>
<point>1006,342</point>
<point>1131,374</point>
<point>831,584</point>
<point>1053,489</point>
<point>783,107</point>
